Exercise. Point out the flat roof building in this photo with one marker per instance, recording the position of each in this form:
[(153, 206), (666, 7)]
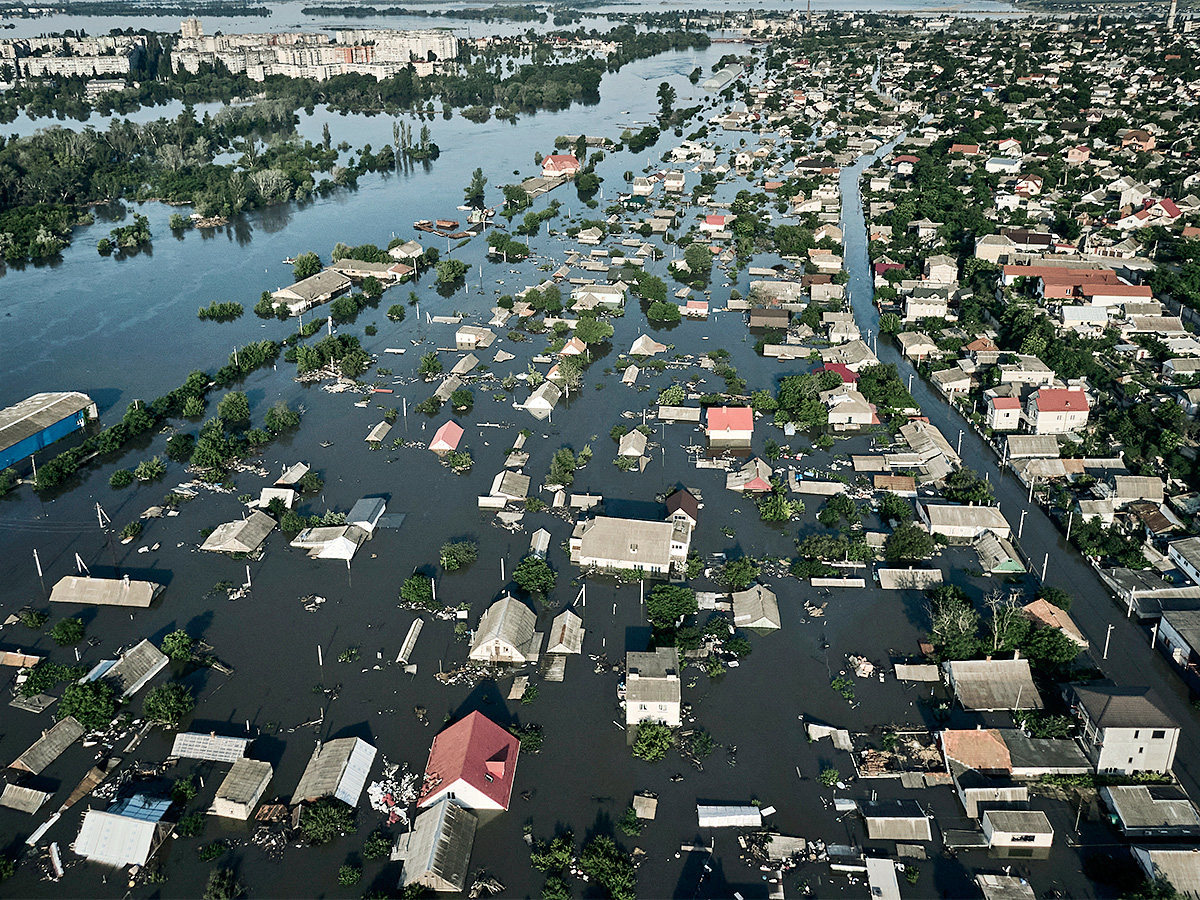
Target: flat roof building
[(241, 790)]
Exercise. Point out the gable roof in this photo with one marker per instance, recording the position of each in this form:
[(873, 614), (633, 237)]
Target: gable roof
[(437, 852), (240, 536), (475, 750), (985, 684), (684, 501), (981, 749), (337, 768), (447, 437), (730, 418), (512, 622)]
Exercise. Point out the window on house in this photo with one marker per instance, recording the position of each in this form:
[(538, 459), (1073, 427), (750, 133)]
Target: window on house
[(1157, 735), (487, 776), (643, 706), (1023, 838)]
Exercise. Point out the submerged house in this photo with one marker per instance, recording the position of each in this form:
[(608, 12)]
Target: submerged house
[(756, 608), (436, 853), (127, 834), (472, 763), (652, 687), (507, 634), (241, 790), (241, 535), (130, 673)]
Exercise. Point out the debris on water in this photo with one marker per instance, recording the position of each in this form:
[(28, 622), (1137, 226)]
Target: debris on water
[(394, 793), (468, 675), (312, 602), (271, 840), (814, 610), (484, 884), (863, 667), (422, 714)]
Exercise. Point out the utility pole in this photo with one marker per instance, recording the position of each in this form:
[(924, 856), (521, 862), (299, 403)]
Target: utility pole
[(1021, 527), (958, 449), (1107, 638)]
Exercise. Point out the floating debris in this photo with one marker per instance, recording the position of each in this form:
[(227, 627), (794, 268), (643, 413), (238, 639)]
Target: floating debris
[(312, 602), (394, 793)]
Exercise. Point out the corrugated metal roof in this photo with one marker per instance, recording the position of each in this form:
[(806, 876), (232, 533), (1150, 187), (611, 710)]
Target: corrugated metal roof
[(135, 667), (241, 536), (337, 768), (243, 785), (215, 747), (438, 850), (985, 684), (36, 413), (23, 799), (728, 816)]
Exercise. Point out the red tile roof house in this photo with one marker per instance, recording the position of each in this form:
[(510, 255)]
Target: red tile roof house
[(713, 223), (559, 164), (848, 377), (730, 426), (473, 763), (1056, 410)]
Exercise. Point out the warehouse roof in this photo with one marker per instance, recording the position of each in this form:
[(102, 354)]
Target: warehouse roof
[(104, 591), (985, 684), (36, 413)]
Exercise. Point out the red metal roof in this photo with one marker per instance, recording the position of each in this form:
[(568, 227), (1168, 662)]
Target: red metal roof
[(560, 161), (1005, 403), (1061, 400), (848, 376), (714, 220), (447, 437), (471, 750), (730, 418)]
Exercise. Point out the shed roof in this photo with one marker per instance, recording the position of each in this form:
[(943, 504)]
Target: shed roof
[(127, 834), (50, 746), (1032, 446), (37, 413), (1152, 806), (23, 799), (1004, 887), (1018, 821), (566, 633), (104, 591), (981, 749), (245, 782), (896, 820), (1178, 865), (337, 768)]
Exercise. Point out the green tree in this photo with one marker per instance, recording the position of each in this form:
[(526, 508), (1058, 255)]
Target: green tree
[(965, 486), (535, 576), (348, 876), (908, 543), (739, 573), (606, 865), (222, 885), (431, 365), (591, 330), (473, 194), (889, 323), (281, 418), (307, 265), (653, 740), (169, 704), (149, 469), (674, 395), (668, 603), (326, 819), (67, 632), (396, 312), (178, 645), (458, 555), (663, 312), (93, 704), (234, 407), (418, 590), (893, 507), (450, 270)]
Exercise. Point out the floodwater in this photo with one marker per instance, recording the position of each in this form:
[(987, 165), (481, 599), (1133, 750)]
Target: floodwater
[(84, 323), (287, 16)]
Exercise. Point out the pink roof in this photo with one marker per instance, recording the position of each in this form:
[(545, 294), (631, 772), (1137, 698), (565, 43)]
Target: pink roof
[(714, 220), (906, 158), (881, 268), (471, 750), (573, 347), (447, 437), (1005, 403), (697, 304), (758, 484), (730, 418), (1061, 400)]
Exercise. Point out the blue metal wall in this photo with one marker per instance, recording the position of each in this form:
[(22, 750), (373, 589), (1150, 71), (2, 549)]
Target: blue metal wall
[(26, 448)]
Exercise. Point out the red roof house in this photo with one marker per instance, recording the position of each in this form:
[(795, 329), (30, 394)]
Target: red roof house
[(473, 763), (713, 223), (848, 376), (559, 164), (730, 425), (446, 438)]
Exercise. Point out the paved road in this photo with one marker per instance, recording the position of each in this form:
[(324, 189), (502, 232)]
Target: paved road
[(1131, 661)]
